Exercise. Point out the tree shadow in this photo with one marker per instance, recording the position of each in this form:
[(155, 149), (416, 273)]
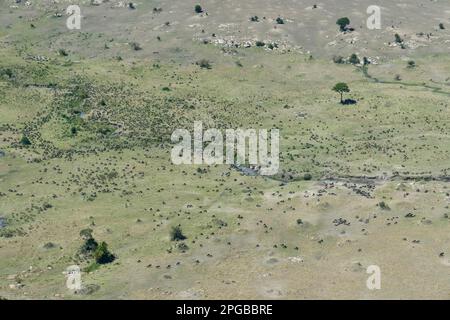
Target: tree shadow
[(349, 102)]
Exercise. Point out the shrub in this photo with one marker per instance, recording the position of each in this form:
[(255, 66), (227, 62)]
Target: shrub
[(260, 44), (182, 246), (89, 246), (49, 245), (280, 20), (62, 52), (411, 64), (198, 9), (338, 59), (102, 254), (354, 59), (343, 23), (254, 19), (136, 46), (176, 234), (204, 64), (6, 72), (383, 206), (86, 233), (398, 39), (92, 267), (441, 26), (307, 176), (25, 141)]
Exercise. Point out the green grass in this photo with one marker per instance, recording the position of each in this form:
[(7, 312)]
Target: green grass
[(119, 181)]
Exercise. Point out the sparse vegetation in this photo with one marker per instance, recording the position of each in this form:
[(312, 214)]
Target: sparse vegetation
[(98, 156)]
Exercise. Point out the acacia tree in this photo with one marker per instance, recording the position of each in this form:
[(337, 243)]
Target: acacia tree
[(341, 87)]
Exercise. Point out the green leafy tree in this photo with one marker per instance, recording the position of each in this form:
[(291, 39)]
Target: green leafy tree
[(340, 88), (343, 23)]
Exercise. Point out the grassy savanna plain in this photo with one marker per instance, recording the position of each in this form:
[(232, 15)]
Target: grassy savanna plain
[(359, 185)]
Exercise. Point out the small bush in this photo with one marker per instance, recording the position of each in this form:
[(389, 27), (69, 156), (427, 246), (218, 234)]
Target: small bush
[(343, 23), (102, 254), (307, 176), (6, 72), (89, 247), (354, 59), (398, 39), (411, 64), (136, 46), (198, 9), (441, 26), (254, 19), (260, 44), (25, 141), (383, 206), (182, 246), (280, 20), (86, 233), (204, 64), (176, 234), (62, 52), (338, 59), (92, 267), (49, 245)]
